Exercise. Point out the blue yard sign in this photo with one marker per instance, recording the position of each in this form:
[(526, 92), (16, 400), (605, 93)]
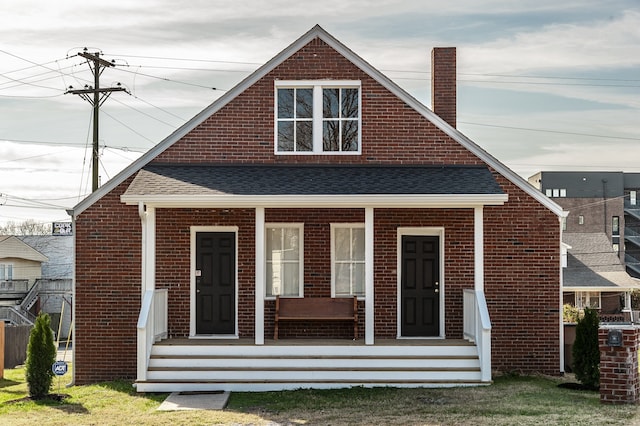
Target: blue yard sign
[(59, 368)]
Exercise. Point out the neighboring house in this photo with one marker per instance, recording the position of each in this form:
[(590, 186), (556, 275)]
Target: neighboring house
[(53, 292), (317, 176), (595, 277), (20, 267), (36, 274), (19, 261), (604, 202)]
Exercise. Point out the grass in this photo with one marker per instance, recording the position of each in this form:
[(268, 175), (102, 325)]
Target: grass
[(511, 400)]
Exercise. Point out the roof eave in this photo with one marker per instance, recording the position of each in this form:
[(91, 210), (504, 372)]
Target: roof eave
[(303, 201)]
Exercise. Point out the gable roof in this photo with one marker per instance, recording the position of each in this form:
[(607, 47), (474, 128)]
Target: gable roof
[(593, 265), (13, 247), (317, 32)]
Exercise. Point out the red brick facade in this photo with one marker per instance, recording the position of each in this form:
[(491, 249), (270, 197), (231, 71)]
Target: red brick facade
[(522, 246)]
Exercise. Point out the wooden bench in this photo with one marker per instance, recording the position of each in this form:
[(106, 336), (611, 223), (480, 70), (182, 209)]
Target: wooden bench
[(317, 309)]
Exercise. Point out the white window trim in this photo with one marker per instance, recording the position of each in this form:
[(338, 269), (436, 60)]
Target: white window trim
[(317, 86), (334, 226), (8, 266), (300, 227), (579, 296)]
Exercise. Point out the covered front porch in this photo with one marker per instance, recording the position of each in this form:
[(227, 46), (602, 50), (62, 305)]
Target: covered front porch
[(387, 205)]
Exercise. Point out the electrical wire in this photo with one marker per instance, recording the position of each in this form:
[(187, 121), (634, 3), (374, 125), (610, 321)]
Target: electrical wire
[(128, 127), (144, 113), (170, 80), (549, 131)]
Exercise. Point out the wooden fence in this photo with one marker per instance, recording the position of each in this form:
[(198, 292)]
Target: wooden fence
[(16, 339)]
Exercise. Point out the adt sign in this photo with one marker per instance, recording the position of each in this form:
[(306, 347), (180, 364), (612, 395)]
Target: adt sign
[(59, 368)]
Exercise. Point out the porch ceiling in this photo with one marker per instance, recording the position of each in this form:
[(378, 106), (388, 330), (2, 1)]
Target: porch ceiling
[(277, 185)]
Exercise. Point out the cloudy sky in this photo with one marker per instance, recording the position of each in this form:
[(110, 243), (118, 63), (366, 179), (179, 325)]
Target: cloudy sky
[(542, 85)]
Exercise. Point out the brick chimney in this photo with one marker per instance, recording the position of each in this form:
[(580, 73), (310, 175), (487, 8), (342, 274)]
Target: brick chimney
[(443, 83)]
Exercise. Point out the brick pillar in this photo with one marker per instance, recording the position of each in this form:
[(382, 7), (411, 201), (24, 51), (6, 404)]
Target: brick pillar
[(619, 381)]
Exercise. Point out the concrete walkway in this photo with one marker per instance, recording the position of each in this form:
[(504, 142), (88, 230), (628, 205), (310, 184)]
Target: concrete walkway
[(195, 401)]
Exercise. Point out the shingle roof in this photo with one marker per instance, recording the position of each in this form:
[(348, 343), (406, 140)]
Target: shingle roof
[(311, 180), (591, 262)]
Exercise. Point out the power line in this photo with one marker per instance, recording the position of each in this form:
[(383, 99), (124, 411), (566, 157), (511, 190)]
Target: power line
[(172, 81), (550, 131), (146, 114), (186, 59), (72, 144), (129, 127)]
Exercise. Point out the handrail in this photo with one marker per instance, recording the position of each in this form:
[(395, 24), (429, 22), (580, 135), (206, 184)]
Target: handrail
[(477, 328), (152, 326), (31, 296), (11, 314)]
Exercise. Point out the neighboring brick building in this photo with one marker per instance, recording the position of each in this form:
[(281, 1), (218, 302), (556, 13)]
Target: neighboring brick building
[(317, 176), (599, 202), (603, 230)]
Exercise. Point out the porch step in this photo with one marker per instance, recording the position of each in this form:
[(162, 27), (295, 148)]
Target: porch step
[(261, 368)]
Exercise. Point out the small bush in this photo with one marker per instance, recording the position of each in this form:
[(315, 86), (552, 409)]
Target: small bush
[(586, 352), (571, 313), (41, 354)]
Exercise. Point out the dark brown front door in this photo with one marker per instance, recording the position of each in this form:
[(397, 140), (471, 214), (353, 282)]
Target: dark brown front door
[(420, 287), (215, 282)]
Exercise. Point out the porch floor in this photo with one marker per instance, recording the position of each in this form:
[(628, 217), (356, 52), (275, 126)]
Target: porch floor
[(312, 342)]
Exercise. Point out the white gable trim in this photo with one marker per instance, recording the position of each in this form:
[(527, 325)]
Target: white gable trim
[(319, 32)]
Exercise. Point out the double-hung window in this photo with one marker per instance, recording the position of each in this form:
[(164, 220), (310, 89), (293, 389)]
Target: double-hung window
[(284, 250), (6, 272), (347, 260), (317, 117)]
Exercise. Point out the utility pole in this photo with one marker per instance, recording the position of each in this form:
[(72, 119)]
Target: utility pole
[(100, 95)]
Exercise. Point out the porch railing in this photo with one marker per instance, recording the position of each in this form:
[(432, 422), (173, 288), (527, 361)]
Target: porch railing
[(152, 326), (14, 286), (477, 328)]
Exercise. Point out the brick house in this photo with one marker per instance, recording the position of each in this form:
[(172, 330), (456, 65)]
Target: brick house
[(317, 177)]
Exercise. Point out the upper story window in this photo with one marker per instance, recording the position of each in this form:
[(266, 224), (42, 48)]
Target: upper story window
[(615, 225), (556, 192), (6, 271), (317, 117)]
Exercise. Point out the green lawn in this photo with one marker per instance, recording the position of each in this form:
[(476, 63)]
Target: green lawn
[(510, 400)]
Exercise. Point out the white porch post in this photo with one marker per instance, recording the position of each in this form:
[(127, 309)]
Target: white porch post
[(260, 277), (627, 305), (148, 218), (145, 332), (478, 248), (368, 262)]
